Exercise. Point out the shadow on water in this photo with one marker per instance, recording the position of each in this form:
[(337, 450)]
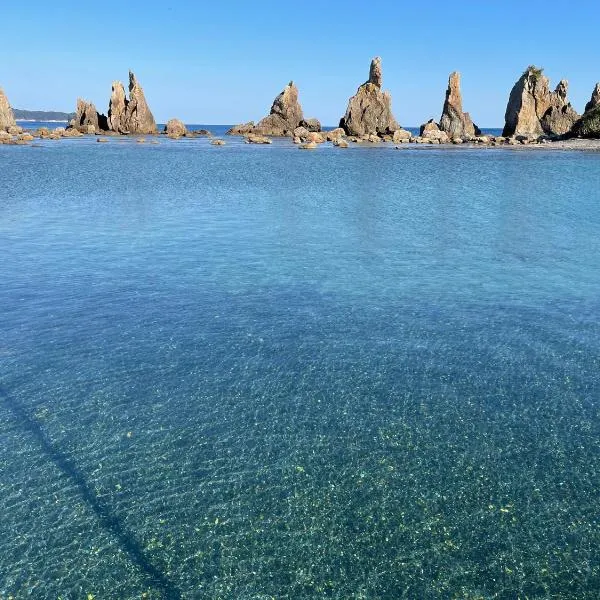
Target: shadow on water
[(106, 517)]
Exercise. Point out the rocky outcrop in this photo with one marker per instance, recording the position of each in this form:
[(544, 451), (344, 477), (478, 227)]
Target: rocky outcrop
[(87, 119), (117, 108), (594, 100), (130, 115), (138, 116), (7, 118), (175, 128), (369, 111), (588, 125), (454, 121), (431, 131), (533, 110), (241, 128), (285, 115), (311, 124), (560, 117), (527, 103)]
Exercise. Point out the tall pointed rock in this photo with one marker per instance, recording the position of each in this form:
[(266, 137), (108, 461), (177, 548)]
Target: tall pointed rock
[(454, 121), (595, 99), (138, 116), (117, 120), (285, 114), (7, 118), (370, 110), (528, 101)]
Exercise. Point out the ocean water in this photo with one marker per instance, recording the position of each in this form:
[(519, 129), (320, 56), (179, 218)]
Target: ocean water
[(254, 372)]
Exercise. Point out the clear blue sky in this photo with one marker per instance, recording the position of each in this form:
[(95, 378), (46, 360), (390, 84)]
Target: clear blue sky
[(224, 61)]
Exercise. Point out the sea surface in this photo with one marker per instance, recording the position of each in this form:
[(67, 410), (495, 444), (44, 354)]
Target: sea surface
[(253, 372)]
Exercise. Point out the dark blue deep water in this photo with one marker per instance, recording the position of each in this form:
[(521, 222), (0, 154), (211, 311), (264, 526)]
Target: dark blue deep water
[(254, 372)]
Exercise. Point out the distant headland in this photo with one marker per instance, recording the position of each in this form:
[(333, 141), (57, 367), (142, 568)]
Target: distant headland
[(534, 114)]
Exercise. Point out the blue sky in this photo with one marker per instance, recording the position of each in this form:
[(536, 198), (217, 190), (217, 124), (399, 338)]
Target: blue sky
[(225, 61)]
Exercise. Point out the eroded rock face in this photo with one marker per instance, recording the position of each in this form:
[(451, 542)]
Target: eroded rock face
[(595, 99), (369, 111), (454, 121), (130, 115), (533, 110), (285, 115), (88, 119), (117, 107), (7, 118), (138, 116), (560, 117)]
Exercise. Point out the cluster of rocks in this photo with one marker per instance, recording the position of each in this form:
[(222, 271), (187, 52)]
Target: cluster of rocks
[(125, 115), (534, 114)]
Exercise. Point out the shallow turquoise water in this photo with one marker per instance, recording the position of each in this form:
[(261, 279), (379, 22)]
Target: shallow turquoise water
[(252, 372)]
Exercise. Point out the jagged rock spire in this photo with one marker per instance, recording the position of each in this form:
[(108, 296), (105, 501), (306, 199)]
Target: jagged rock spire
[(454, 121), (369, 111)]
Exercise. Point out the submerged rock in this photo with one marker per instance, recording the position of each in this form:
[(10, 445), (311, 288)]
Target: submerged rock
[(7, 118), (454, 121), (369, 111)]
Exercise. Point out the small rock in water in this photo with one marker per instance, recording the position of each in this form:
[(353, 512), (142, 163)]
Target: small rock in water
[(217, 143), (308, 146)]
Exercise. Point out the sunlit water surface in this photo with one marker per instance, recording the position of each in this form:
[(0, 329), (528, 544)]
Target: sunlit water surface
[(254, 372)]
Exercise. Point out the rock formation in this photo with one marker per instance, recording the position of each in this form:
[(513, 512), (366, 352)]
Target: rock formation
[(241, 128), (7, 118), (87, 117), (595, 99), (560, 117), (589, 124), (369, 111), (175, 128), (454, 121), (117, 108), (133, 115), (533, 110), (285, 115), (138, 116), (431, 131)]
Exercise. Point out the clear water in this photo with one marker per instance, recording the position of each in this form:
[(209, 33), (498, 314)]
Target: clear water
[(255, 372)]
